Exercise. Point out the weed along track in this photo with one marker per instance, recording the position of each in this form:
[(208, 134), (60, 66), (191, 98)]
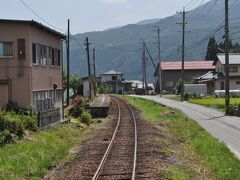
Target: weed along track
[(119, 160)]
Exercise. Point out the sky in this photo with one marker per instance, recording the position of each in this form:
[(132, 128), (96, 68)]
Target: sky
[(92, 15)]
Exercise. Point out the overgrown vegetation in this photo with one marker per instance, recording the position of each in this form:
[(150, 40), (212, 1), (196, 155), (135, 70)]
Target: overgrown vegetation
[(198, 146), (33, 156), (13, 125), (39, 151), (77, 110)]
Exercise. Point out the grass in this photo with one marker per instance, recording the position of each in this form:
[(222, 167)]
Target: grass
[(218, 103), (198, 145), (32, 157)]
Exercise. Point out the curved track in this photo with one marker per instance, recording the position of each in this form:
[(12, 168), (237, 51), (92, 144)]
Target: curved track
[(119, 160)]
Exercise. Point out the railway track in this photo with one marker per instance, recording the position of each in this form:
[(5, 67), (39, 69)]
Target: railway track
[(119, 160)]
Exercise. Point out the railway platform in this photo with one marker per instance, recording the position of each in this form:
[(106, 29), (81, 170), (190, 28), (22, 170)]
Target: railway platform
[(100, 105)]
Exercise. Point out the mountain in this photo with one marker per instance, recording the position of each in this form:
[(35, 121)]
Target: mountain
[(149, 21), (119, 48)]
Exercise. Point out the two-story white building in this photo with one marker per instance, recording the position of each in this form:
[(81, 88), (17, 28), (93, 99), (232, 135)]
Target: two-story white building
[(116, 81), (215, 80), (234, 71)]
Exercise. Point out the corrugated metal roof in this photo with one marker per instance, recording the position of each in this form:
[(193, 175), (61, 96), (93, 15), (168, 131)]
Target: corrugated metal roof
[(112, 72), (234, 58), (188, 65)]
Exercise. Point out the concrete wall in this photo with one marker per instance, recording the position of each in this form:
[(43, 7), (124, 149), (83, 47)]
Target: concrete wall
[(9, 67), (3, 94)]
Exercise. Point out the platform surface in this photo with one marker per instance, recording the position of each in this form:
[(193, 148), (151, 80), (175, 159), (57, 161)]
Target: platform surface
[(102, 100)]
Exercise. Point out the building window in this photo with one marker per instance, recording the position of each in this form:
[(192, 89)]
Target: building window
[(44, 100), (233, 69), (39, 54), (6, 49), (114, 78), (54, 57), (34, 54)]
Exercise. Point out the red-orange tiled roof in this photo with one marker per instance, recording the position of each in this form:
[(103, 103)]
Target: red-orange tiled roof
[(189, 65)]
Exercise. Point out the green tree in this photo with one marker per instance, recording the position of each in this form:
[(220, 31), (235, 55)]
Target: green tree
[(212, 49), (74, 81)]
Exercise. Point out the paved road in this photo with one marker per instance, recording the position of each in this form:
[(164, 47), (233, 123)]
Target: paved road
[(224, 128)]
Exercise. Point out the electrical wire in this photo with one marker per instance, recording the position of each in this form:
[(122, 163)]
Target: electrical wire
[(49, 24)]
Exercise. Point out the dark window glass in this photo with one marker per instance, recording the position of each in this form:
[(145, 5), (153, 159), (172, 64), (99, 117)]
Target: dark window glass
[(34, 58)]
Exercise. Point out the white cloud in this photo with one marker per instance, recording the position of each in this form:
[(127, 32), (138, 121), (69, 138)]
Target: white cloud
[(114, 1)]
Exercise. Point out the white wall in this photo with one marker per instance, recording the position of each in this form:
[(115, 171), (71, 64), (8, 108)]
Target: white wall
[(106, 77)]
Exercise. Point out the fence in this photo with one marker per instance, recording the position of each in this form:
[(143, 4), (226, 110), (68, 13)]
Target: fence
[(49, 117)]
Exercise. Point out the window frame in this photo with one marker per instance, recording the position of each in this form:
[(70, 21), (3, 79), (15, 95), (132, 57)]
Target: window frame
[(13, 50)]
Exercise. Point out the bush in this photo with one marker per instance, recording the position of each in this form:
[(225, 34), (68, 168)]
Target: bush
[(5, 137), (77, 105), (232, 108), (14, 124), (186, 97), (29, 123), (86, 118)]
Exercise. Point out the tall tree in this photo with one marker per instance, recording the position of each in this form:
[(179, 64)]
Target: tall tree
[(212, 49)]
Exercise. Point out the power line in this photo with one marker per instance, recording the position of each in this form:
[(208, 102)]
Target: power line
[(29, 8)]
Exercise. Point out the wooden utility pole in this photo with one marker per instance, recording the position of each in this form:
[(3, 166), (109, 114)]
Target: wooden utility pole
[(226, 59), (183, 13), (89, 67), (183, 54), (94, 62), (68, 61), (159, 61), (144, 74)]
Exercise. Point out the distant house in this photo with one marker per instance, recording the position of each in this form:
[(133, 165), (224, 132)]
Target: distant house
[(171, 72), (209, 79), (116, 81), (30, 65), (217, 77)]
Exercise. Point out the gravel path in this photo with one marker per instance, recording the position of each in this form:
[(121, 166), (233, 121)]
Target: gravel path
[(224, 128)]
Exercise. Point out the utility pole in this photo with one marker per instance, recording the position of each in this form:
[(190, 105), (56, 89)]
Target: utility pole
[(89, 67), (226, 59), (116, 82), (94, 62), (183, 13), (94, 70), (144, 81), (68, 60), (159, 60)]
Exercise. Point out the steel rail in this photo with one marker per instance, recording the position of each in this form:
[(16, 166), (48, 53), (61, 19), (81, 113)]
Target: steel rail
[(97, 173)]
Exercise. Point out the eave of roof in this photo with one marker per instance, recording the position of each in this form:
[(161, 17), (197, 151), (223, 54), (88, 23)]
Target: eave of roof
[(32, 22)]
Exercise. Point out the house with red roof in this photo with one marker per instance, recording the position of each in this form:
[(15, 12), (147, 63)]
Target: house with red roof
[(171, 72)]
